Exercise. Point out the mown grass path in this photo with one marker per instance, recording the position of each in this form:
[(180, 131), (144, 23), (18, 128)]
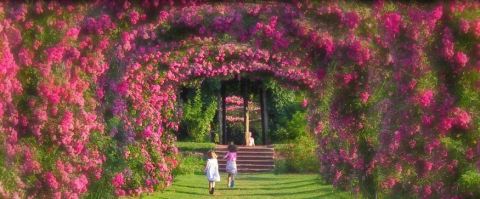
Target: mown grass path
[(252, 186)]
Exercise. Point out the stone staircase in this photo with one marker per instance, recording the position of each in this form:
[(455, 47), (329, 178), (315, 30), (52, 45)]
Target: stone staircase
[(249, 159)]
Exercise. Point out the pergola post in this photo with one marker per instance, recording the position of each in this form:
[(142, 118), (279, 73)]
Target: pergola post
[(264, 114), (246, 118), (220, 118), (223, 114)]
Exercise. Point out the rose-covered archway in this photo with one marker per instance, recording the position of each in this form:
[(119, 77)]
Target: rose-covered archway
[(88, 89)]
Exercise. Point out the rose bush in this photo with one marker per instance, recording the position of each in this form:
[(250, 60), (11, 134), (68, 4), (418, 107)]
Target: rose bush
[(88, 90)]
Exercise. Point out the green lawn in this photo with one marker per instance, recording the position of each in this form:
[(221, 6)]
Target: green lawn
[(195, 146), (252, 186)]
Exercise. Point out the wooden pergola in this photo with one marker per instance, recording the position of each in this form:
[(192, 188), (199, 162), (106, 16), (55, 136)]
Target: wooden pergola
[(247, 86)]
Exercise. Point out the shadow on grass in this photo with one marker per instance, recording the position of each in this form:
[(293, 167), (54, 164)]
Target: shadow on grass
[(260, 187), (257, 178), (312, 191), (286, 194), (190, 192), (321, 196)]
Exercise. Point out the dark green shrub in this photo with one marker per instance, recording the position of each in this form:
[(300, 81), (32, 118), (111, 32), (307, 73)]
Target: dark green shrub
[(189, 164), (470, 182)]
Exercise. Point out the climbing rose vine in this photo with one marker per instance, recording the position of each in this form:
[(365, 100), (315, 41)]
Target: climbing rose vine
[(88, 90)]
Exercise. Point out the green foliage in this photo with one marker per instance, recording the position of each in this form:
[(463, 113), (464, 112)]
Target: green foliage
[(294, 128), (299, 157), (470, 182), (198, 115), (103, 188)]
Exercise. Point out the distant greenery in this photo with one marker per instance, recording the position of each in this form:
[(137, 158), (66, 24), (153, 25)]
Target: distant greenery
[(198, 114), (287, 116)]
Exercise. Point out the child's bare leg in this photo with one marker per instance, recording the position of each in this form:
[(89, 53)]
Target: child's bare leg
[(229, 179)]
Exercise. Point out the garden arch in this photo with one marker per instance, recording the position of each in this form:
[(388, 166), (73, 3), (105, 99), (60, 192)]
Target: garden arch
[(90, 97)]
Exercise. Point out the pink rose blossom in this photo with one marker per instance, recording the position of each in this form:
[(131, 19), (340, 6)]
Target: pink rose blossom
[(476, 28), (464, 26), (462, 118), (392, 23), (461, 59), (351, 20), (118, 180), (51, 180), (425, 98), (364, 97)]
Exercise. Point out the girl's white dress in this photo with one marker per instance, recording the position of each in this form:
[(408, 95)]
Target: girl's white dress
[(231, 167), (211, 170)]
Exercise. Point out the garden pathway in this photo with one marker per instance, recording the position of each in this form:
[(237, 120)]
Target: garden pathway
[(264, 185)]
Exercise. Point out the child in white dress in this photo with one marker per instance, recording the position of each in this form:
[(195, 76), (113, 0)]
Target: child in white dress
[(211, 171)]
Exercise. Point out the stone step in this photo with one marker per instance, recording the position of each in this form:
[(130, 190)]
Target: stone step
[(254, 150), (249, 154), (250, 166), (246, 149), (250, 157), (249, 170), (258, 162)]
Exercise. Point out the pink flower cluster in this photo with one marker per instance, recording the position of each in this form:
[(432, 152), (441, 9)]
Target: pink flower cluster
[(351, 20), (425, 98), (392, 23)]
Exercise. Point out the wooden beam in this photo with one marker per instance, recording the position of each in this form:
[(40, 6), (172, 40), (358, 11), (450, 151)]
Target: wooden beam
[(246, 118), (220, 117), (224, 114), (264, 113)]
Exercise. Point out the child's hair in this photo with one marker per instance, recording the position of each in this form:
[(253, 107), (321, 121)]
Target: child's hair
[(232, 147), (211, 154)]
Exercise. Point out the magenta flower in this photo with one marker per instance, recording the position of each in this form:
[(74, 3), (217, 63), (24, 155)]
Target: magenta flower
[(476, 28), (446, 124), (51, 180), (134, 17), (364, 97), (464, 26), (461, 59), (351, 20), (425, 98), (73, 33), (118, 180), (55, 54), (79, 185), (392, 23), (147, 132), (462, 118)]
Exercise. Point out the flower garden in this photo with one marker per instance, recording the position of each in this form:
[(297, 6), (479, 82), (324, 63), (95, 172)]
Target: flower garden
[(88, 90)]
